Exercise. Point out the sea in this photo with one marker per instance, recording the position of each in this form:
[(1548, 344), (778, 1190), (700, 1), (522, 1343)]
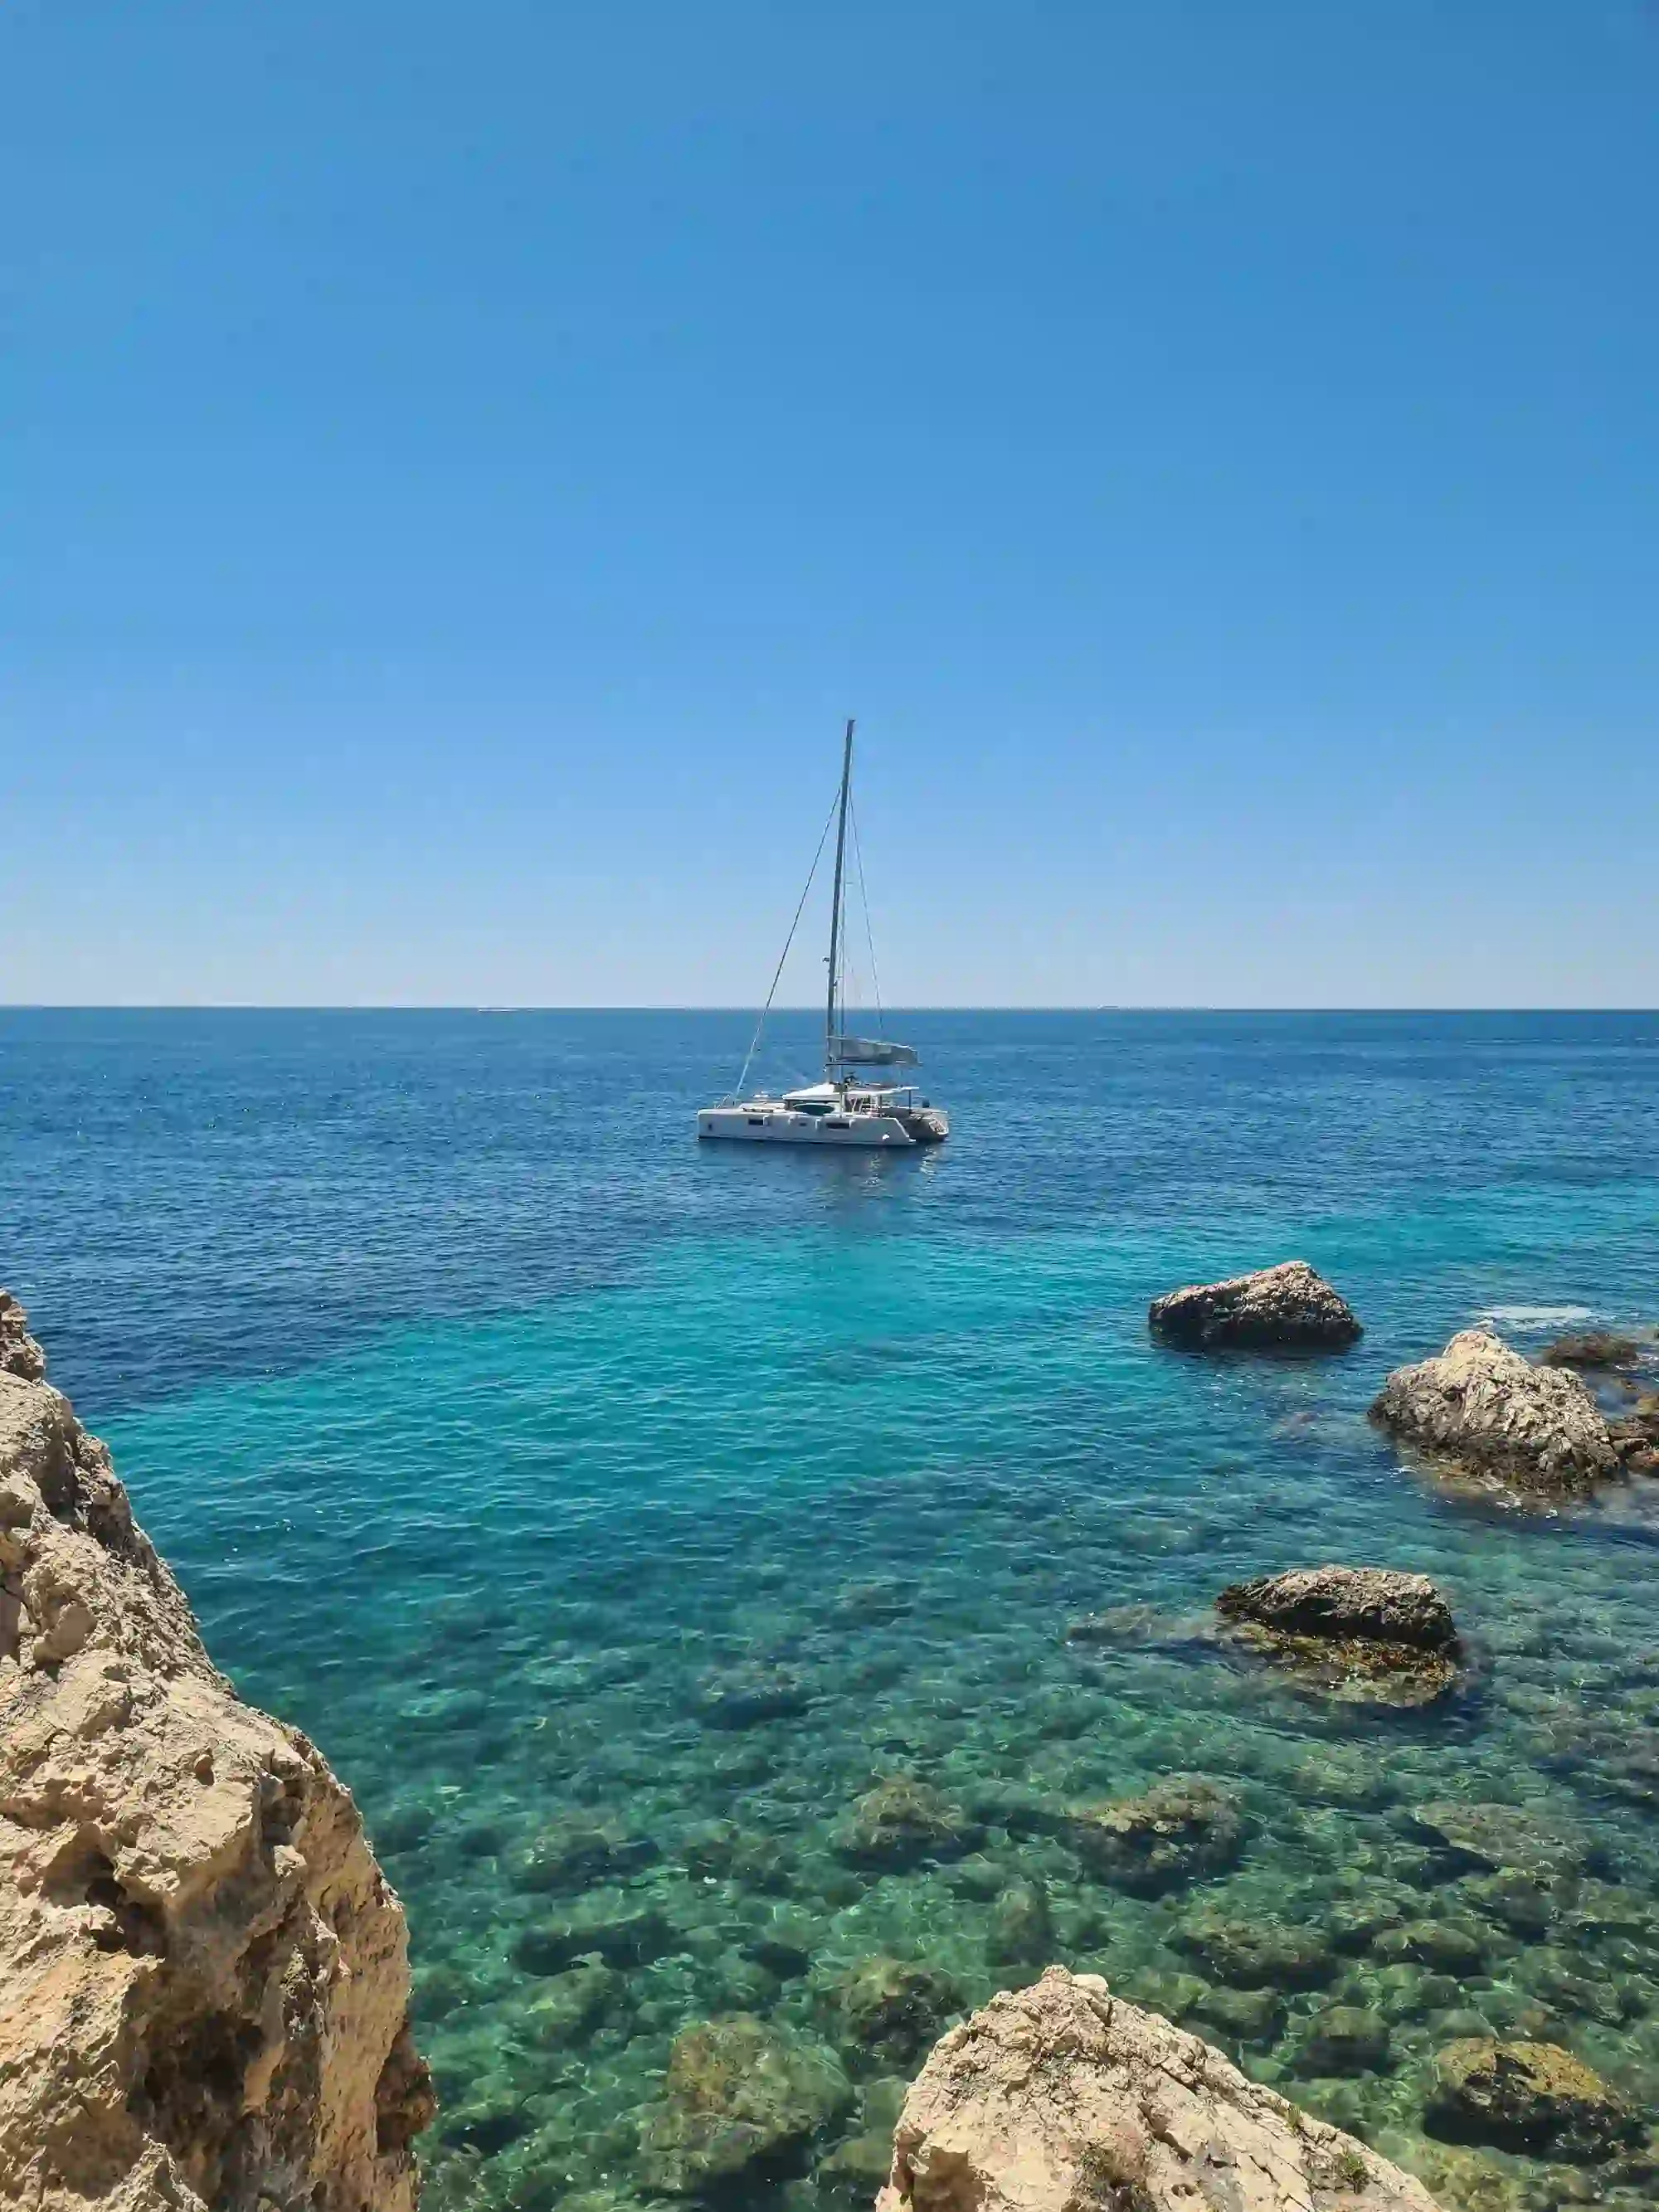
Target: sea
[(675, 1547)]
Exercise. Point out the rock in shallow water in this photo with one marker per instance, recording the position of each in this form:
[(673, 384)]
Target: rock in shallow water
[(1368, 1634), (894, 2006), (1527, 2096), (1022, 1930), (1179, 1830), (1254, 1954), (1597, 1349), (1344, 2039), (1495, 1837), (1286, 1307), (1483, 1407), (744, 1696), (1062, 2096), (744, 2098), (619, 1925), (902, 1822)]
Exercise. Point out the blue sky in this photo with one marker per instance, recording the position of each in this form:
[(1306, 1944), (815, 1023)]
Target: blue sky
[(464, 463)]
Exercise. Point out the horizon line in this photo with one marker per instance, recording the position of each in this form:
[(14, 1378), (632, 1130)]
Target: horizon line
[(739, 1006)]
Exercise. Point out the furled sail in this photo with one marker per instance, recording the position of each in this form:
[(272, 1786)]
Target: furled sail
[(873, 1051)]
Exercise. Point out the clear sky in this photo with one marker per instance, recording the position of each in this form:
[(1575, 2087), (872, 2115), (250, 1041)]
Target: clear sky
[(462, 462)]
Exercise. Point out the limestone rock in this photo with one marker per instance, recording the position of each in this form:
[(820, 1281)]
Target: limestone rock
[(1061, 2096), (1527, 2096), (1490, 1412), (204, 1974), (20, 1355), (744, 2097), (1286, 1307), (1365, 1633), (1182, 1828)]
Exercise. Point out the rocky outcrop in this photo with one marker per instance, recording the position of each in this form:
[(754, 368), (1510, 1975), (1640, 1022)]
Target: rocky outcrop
[(20, 1355), (1287, 1308), (1364, 1633), (204, 1977), (1490, 1413), (1062, 2096)]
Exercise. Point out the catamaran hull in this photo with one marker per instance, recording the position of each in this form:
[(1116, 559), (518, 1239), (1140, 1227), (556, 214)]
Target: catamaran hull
[(863, 1132)]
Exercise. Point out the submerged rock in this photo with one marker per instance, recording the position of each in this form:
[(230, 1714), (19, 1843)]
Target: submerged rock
[(1345, 2038), (1256, 1955), (894, 2006), (1597, 1348), (902, 1822), (1288, 1307), (567, 2008), (744, 2098), (620, 1925), (1241, 2015), (1022, 1929), (1494, 1838), (1483, 1407), (1179, 1830), (203, 1973), (1527, 2096), (1367, 1634), (1449, 1947), (743, 1696), (1061, 2096), (578, 1848)]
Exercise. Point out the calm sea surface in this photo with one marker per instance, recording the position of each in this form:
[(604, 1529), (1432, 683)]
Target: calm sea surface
[(618, 1513)]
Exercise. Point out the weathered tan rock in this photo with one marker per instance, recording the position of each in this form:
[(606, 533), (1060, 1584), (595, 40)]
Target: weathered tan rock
[(1286, 1307), (20, 1355), (1062, 2095), (1484, 1407), (204, 1977)]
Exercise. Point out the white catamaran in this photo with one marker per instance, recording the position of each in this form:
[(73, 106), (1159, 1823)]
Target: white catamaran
[(845, 1108)]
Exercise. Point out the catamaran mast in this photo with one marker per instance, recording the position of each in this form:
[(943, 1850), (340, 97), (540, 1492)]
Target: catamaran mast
[(829, 1031)]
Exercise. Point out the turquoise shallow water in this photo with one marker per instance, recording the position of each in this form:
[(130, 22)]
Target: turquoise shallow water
[(618, 1514)]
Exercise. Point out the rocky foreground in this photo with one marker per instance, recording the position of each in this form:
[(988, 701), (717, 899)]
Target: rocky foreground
[(204, 1974), (1062, 2096)]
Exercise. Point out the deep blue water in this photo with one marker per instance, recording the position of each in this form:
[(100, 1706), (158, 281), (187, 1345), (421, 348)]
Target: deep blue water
[(495, 1427)]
